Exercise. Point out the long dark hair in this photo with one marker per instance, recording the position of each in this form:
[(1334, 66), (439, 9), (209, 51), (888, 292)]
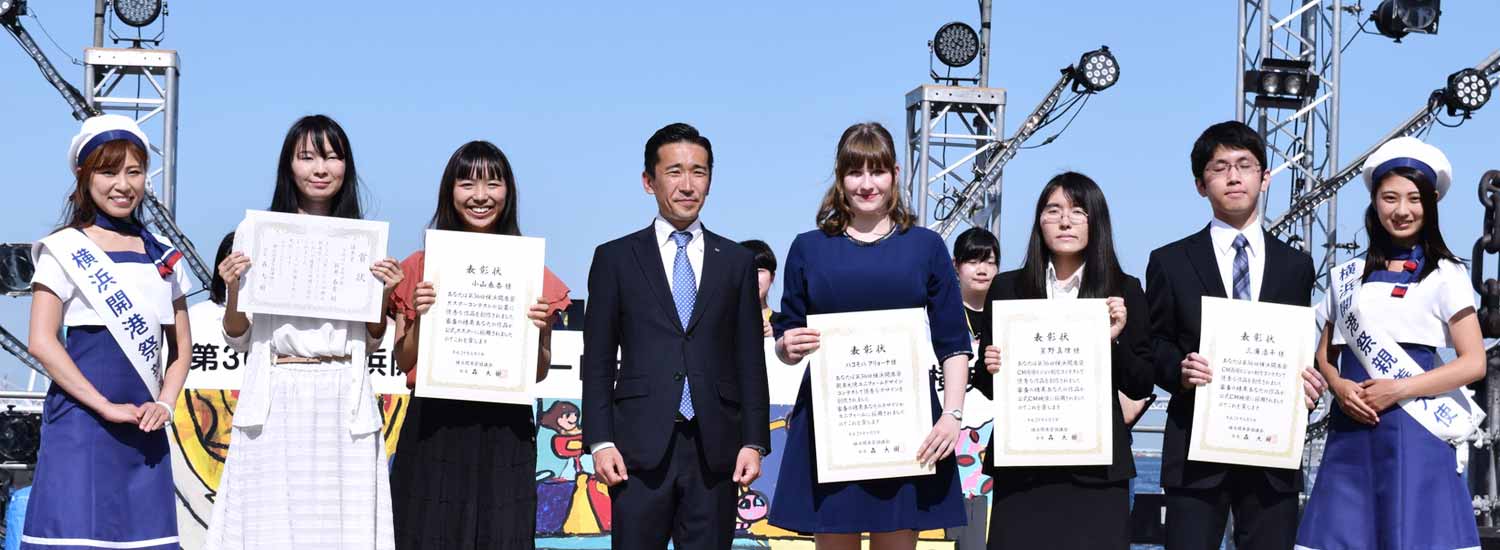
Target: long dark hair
[(1434, 249), (480, 160), (327, 137), (1102, 276), (81, 210)]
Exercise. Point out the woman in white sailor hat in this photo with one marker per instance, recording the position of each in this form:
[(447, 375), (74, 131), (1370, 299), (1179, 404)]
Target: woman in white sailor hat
[(1391, 476), (104, 476)]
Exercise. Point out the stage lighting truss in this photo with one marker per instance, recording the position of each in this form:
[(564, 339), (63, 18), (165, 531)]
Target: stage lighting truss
[(1281, 83), (1397, 18), (137, 13), (1466, 92), (1096, 71), (16, 269), (956, 44)]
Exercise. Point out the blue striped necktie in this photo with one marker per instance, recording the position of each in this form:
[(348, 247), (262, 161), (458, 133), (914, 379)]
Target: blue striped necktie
[(1241, 268), (684, 292)]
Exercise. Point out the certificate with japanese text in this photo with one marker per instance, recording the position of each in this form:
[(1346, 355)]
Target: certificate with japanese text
[(871, 395), (311, 266), (1252, 413), (1054, 389), (476, 342)]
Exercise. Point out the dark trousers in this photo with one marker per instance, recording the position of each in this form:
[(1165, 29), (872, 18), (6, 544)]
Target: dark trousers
[(1264, 519), (1059, 513), (681, 500)]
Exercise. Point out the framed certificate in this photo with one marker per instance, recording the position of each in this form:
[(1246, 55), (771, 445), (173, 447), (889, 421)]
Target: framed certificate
[(1252, 413), (872, 404), (1055, 390), (476, 342), (311, 266)]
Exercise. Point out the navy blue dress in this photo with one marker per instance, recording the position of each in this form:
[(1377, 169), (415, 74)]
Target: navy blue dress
[(836, 274), (1394, 485), (100, 484)]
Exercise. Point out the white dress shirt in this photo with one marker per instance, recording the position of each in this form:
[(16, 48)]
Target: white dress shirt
[(668, 248), (1067, 288), (1223, 236)]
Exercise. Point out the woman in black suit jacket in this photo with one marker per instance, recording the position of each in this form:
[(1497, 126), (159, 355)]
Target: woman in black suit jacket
[(1071, 255)]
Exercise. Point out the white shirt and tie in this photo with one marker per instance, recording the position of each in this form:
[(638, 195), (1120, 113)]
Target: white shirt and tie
[(668, 249), (1223, 236)]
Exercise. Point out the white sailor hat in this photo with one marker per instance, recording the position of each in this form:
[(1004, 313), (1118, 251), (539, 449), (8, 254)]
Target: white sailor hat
[(1409, 152), (100, 130)]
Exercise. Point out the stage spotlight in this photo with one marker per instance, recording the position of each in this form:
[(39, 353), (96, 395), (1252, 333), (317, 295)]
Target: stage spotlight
[(1466, 92), (1097, 70), (20, 435), (10, 9), (956, 44), (137, 13), (1281, 83), (15, 269), (1397, 18)]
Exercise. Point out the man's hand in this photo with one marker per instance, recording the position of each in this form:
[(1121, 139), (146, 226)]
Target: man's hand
[(746, 467), (1195, 371), (611, 466)]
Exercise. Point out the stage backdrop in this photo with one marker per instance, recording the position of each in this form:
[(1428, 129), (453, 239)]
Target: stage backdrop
[(573, 509)]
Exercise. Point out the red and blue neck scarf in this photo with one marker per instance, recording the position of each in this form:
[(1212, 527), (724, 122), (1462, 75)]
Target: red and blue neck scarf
[(165, 256), (1411, 269)]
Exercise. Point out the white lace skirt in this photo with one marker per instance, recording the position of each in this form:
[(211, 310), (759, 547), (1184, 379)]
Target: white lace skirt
[(303, 480)]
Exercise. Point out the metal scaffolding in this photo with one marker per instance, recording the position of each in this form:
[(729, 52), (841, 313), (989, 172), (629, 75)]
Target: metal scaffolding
[(951, 134), (1302, 142)]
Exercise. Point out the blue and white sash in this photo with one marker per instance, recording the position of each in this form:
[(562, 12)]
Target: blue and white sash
[(108, 290), (1453, 417)]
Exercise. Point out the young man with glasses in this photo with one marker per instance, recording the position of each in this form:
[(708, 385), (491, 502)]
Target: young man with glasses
[(1230, 258)]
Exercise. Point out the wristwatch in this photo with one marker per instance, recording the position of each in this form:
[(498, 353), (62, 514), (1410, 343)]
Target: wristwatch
[(957, 414)]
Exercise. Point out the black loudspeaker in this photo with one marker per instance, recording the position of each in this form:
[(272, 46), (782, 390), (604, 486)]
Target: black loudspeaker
[(15, 268), (1148, 519), (20, 435)]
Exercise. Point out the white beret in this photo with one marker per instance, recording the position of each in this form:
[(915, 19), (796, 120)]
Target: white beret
[(1409, 152)]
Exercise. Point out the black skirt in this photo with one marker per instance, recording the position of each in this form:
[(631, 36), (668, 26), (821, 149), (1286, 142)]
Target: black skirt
[(464, 477), (1056, 512)]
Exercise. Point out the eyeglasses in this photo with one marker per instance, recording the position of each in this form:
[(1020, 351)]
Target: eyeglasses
[(1221, 168), (1076, 216)]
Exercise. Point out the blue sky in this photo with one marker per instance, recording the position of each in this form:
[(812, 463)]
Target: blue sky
[(571, 91)]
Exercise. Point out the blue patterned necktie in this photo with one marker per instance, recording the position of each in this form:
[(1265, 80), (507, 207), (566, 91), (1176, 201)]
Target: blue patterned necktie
[(1241, 268), (684, 292)]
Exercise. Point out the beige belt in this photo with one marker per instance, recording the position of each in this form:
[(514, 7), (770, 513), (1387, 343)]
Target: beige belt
[(294, 360)]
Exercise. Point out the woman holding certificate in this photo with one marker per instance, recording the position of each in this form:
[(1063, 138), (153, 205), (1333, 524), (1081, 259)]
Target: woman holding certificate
[(866, 255), (465, 475), (307, 463), (104, 475), (1388, 478), (1071, 255)]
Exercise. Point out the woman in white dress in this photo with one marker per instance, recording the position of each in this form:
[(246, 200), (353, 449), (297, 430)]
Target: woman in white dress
[(307, 466)]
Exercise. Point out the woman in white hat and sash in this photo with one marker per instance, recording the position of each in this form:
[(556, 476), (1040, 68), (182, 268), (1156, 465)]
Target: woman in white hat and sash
[(104, 475), (1392, 472)]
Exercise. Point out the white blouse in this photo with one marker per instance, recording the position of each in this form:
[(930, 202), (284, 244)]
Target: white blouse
[(144, 279), (1421, 317), (272, 335)]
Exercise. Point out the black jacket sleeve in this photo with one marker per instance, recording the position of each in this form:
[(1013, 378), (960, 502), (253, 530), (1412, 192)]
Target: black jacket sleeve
[(601, 345), (1132, 351)]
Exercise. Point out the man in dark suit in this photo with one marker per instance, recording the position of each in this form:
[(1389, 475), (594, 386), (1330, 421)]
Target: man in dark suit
[(686, 415), (1231, 258)]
